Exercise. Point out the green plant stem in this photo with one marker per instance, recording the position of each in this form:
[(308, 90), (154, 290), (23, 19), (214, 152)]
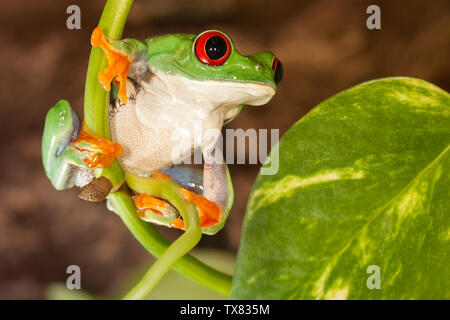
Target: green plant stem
[(96, 99), (177, 249), (155, 243), (170, 191), (96, 105)]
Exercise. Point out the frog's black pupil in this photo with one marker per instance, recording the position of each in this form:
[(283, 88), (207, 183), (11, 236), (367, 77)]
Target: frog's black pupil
[(216, 47), (278, 72)]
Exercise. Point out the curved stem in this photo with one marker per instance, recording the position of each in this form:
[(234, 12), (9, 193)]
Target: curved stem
[(176, 250), (96, 105), (155, 243)]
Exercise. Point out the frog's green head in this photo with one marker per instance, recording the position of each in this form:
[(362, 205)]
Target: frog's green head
[(212, 57)]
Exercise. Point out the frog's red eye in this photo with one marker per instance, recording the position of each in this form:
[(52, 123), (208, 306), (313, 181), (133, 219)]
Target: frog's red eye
[(212, 48)]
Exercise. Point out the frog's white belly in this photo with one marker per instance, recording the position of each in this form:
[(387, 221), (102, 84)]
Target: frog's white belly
[(163, 139), (168, 116)]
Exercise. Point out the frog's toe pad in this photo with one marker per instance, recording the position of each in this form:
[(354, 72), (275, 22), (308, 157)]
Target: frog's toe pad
[(97, 37), (154, 209)]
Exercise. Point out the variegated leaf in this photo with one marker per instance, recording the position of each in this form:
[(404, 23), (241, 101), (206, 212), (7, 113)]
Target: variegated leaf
[(360, 201)]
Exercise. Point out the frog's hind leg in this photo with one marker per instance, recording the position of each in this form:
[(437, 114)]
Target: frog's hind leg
[(209, 202), (70, 151), (188, 176), (210, 214), (62, 162), (208, 188), (153, 209), (215, 201)]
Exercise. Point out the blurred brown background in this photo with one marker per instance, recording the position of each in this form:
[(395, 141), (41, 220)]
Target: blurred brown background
[(324, 45)]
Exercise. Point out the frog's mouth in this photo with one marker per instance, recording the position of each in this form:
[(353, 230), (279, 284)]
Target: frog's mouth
[(235, 93)]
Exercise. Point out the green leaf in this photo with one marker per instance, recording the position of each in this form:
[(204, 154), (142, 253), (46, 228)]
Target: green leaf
[(363, 180)]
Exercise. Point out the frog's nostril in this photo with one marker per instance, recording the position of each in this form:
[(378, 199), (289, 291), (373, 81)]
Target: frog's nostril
[(277, 67)]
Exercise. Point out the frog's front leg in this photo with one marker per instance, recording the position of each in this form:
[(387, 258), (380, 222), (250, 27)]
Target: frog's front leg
[(62, 163), (119, 63), (126, 58)]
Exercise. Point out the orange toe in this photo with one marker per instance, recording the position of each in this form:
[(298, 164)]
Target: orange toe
[(160, 175), (118, 64), (97, 152), (209, 212), (145, 202), (177, 224)]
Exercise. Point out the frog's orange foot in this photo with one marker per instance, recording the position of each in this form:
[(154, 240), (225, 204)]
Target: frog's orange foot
[(160, 176), (209, 213), (118, 64), (97, 152), (144, 202)]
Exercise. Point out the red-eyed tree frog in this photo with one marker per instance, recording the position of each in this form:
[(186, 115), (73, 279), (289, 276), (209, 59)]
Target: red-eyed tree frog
[(175, 92)]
